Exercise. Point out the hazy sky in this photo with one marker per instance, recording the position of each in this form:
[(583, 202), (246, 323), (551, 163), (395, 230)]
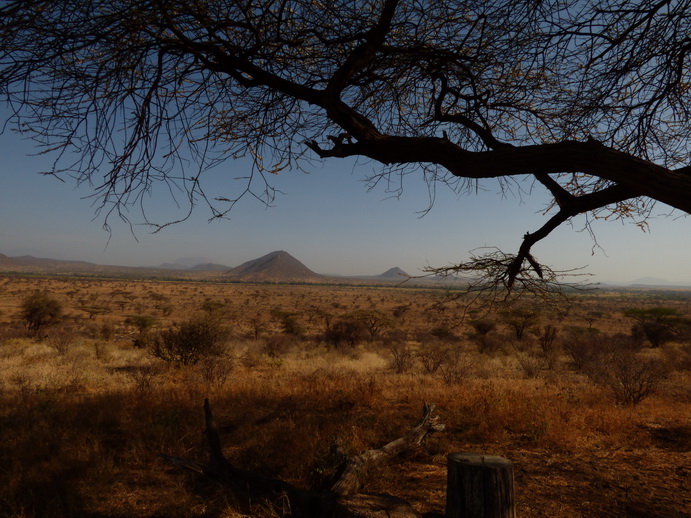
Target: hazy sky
[(327, 220)]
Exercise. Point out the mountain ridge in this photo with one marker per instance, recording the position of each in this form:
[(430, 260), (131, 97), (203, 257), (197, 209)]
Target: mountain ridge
[(277, 265)]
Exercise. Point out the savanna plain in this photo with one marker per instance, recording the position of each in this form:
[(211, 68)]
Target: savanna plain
[(590, 398)]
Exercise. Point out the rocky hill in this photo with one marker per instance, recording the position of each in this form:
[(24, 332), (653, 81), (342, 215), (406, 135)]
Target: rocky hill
[(394, 273), (277, 266)]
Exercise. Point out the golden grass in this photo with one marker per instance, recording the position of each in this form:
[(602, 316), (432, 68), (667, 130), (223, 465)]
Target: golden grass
[(81, 431)]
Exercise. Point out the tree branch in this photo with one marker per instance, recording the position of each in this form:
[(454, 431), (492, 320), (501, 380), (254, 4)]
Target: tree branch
[(351, 479), (343, 500), (570, 206)]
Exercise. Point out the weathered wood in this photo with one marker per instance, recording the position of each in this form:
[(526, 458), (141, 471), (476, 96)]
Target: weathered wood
[(350, 481), (479, 486), (344, 500)]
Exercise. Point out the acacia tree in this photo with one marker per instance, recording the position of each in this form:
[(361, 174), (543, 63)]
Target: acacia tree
[(588, 99)]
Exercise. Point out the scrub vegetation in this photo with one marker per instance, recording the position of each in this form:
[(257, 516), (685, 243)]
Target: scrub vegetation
[(592, 409)]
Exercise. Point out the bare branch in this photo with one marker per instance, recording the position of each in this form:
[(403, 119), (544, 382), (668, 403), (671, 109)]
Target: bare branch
[(591, 99)]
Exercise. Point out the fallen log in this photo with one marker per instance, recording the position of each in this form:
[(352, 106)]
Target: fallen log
[(343, 500)]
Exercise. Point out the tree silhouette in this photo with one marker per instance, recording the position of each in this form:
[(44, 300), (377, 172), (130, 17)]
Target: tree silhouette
[(588, 100)]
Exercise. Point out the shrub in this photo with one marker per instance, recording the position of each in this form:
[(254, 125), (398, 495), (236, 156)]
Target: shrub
[(444, 333), (457, 367), (547, 337), (142, 376), (583, 345), (658, 325), (532, 365), (345, 332), (215, 371), (143, 324), (521, 320), (627, 376), (615, 363), (432, 357), (291, 326), (62, 341), (373, 320), (276, 346), (402, 356), (483, 326), (39, 311), (189, 342)]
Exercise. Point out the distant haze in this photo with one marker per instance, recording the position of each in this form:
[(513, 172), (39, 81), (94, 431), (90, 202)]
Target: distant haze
[(329, 220)]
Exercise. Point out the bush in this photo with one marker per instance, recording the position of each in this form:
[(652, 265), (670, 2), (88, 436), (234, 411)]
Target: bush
[(189, 342), (432, 357), (532, 365), (627, 376), (346, 332), (457, 367), (143, 324), (402, 357), (658, 325), (587, 347), (39, 311), (444, 333), (615, 363), (483, 326), (276, 346), (215, 371), (62, 341)]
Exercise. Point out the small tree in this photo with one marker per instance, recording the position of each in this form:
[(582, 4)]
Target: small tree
[(345, 331), (483, 326), (402, 356), (143, 323), (189, 342), (658, 325), (521, 320), (374, 320), (627, 376), (288, 321), (39, 311)]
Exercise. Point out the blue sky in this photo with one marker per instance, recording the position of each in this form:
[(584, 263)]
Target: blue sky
[(328, 220)]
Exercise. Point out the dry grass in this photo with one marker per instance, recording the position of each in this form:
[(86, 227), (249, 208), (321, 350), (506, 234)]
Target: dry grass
[(81, 429)]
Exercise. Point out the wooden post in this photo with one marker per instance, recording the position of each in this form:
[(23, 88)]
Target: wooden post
[(479, 486)]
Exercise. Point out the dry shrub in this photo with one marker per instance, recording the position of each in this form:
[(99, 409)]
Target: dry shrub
[(433, 356), (402, 356), (531, 364), (630, 377), (100, 351), (457, 367), (40, 310), (346, 332), (490, 344), (584, 346), (276, 346), (679, 357), (62, 340), (215, 371), (189, 342), (143, 376), (615, 363)]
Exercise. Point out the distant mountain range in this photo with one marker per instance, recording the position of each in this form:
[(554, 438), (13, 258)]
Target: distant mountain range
[(278, 266)]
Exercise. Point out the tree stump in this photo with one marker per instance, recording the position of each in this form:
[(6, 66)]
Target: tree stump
[(479, 486)]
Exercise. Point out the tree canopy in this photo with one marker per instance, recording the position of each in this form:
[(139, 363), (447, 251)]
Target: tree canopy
[(590, 99)]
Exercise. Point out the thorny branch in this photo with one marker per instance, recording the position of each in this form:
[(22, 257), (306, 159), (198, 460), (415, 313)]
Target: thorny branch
[(591, 100)]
